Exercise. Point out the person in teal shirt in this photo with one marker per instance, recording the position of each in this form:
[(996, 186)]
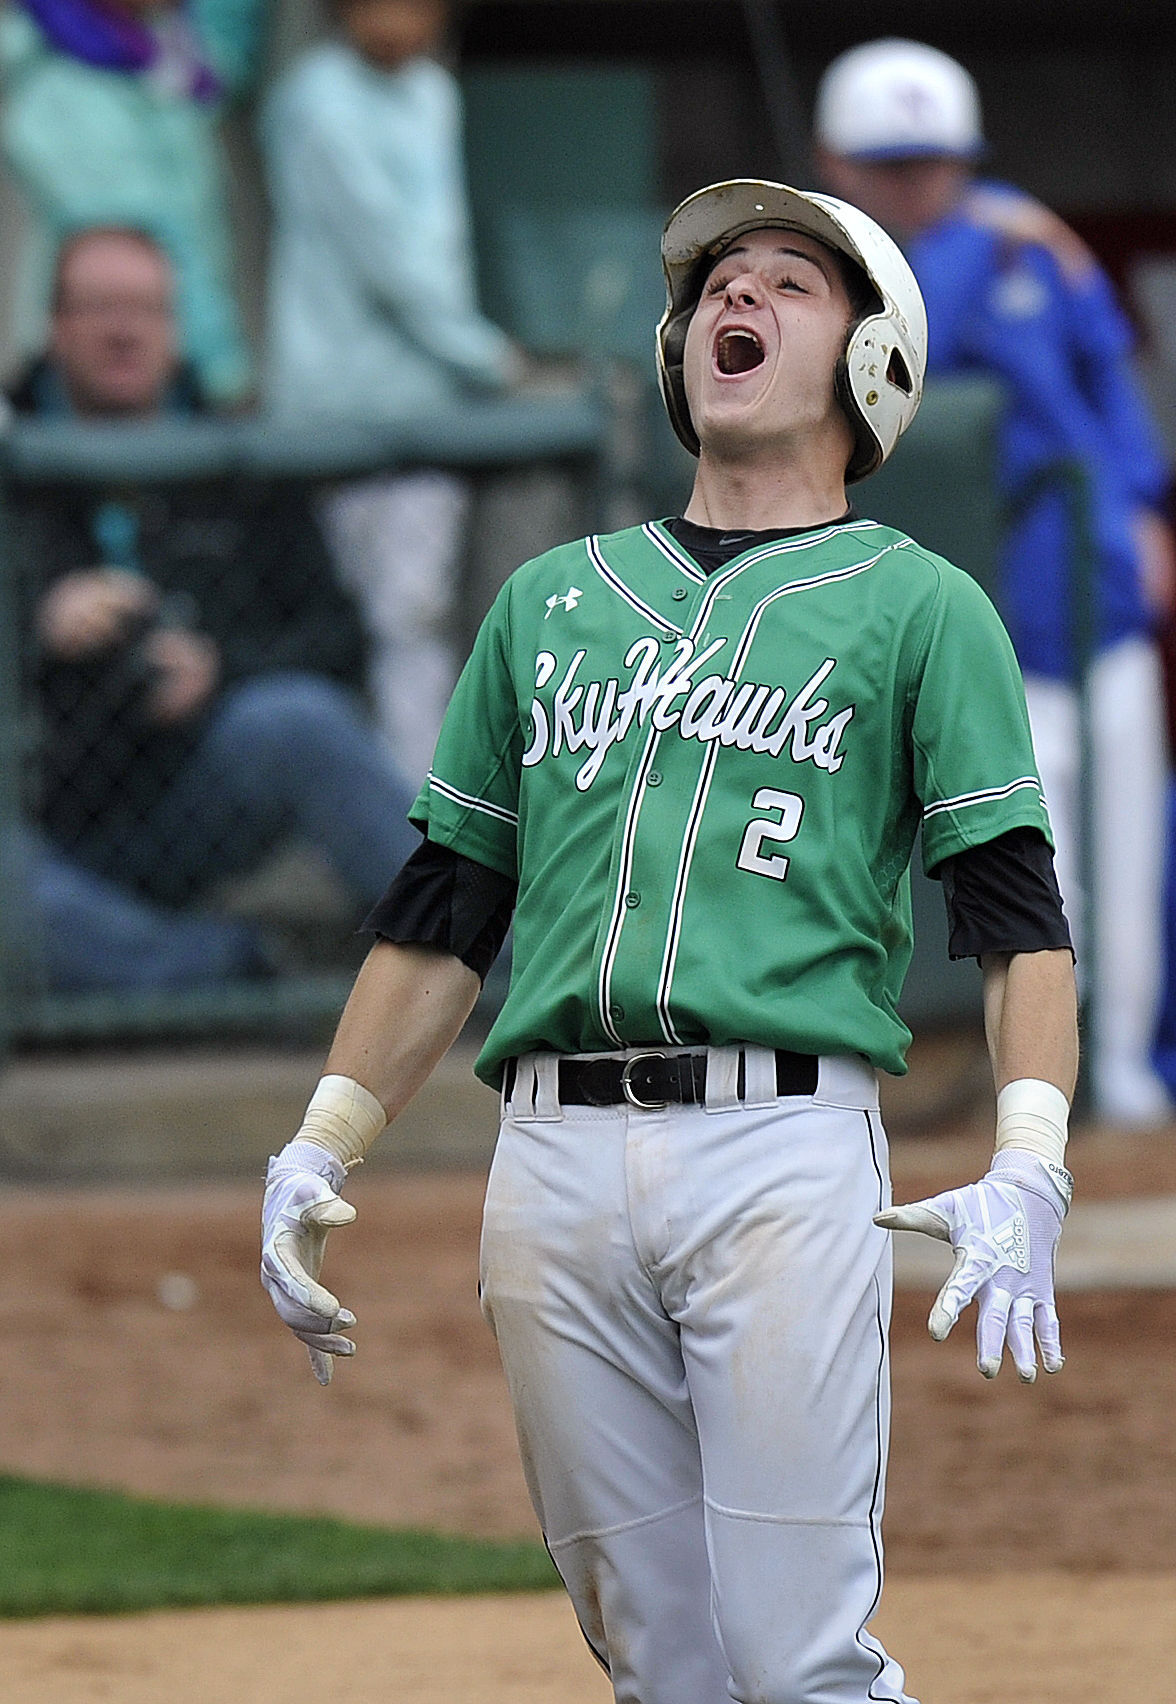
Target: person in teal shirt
[(373, 316), (110, 117), (372, 302)]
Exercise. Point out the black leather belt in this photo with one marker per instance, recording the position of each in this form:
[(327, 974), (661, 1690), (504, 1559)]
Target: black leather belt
[(654, 1079)]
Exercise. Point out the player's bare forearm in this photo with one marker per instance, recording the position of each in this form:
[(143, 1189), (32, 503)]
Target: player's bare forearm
[(1031, 1017), (406, 1009), (408, 1004)]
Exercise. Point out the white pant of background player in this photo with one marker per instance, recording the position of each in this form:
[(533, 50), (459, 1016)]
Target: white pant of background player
[(396, 540), (692, 1309), (1129, 818)]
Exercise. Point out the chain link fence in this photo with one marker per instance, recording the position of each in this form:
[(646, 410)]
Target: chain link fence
[(195, 808)]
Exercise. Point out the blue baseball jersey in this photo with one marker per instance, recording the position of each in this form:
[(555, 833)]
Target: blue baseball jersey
[(1061, 343)]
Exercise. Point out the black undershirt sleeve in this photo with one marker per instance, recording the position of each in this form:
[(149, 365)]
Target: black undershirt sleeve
[(1002, 897), (441, 898)]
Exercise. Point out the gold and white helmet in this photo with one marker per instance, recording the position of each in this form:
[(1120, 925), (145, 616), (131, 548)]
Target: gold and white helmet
[(879, 379)]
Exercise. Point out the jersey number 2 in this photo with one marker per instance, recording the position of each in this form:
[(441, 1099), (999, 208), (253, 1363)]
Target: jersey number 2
[(773, 829)]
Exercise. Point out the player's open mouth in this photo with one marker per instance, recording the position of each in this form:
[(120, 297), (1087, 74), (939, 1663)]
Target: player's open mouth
[(738, 351)]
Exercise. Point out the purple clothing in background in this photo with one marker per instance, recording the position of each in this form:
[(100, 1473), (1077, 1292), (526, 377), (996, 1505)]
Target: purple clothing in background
[(103, 36)]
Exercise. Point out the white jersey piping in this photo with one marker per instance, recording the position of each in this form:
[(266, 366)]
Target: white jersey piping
[(715, 582), (669, 547), (789, 546), (624, 871), (984, 796), (756, 615), (613, 580), (678, 903), (471, 802), (698, 804)]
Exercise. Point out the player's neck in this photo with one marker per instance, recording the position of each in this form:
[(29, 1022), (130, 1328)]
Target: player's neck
[(757, 498)]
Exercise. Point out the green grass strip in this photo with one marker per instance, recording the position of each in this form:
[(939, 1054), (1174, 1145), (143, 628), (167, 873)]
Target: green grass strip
[(68, 1551)]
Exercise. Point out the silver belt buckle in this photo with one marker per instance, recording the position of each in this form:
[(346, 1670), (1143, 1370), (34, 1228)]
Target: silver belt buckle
[(627, 1082)]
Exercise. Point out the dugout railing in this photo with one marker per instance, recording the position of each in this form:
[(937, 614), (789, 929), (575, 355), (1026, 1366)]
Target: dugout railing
[(569, 434)]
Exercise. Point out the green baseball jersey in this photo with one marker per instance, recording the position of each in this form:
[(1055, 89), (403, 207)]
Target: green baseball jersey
[(708, 786)]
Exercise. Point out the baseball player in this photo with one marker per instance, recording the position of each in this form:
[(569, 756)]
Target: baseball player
[(1012, 292), (690, 759)]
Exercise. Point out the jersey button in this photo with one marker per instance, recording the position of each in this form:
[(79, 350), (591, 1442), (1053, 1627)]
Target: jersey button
[(678, 593), (633, 900), (616, 1011), (653, 779)]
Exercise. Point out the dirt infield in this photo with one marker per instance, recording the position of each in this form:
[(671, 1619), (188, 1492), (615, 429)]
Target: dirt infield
[(141, 1353), (994, 1639)]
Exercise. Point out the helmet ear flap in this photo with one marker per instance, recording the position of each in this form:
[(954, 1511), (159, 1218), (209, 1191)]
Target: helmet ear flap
[(867, 452), (882, 387), (671, 353)]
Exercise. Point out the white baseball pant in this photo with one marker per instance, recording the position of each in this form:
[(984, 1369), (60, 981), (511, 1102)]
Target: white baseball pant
[(1129, 820), (397, 541), (692, 1309)]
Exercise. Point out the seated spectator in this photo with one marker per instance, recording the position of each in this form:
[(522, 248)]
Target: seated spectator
[(373, 315), (110, 115), (193, 654)]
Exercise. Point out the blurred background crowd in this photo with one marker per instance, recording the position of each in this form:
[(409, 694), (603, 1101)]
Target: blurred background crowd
[(289, 253)]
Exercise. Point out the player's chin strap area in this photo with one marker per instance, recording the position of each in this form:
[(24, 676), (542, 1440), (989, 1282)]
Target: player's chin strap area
[(1033, 1116)]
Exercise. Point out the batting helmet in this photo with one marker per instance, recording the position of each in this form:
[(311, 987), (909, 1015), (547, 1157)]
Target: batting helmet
[(879, 379)]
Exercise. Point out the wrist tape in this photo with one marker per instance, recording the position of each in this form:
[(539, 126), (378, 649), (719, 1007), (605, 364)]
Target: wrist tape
[(344, 1118), (1033, 1116)]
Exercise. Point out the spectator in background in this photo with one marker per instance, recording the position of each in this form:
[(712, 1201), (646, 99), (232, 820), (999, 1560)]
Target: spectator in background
[(78, 933), (1012, 291), (193, 652), (373, 317), (109, 116)]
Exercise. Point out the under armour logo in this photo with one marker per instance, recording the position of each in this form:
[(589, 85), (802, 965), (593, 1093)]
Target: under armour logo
[(568, 599)]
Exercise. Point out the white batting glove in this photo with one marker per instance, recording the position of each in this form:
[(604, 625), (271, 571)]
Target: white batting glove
[(1004, 1231), (300, 1206)]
